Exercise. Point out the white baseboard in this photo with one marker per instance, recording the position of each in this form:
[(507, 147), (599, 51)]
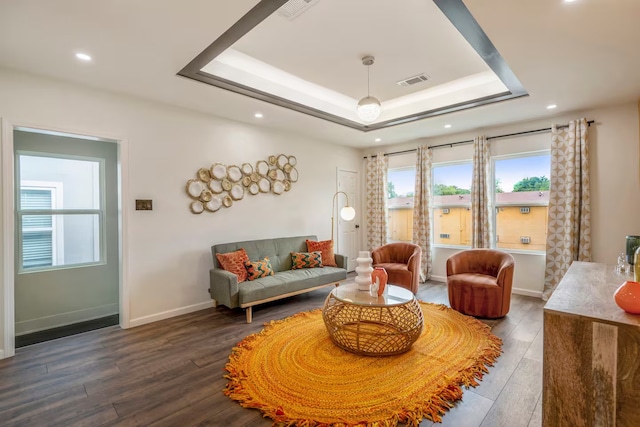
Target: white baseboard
[(527, 292), (169, 313), (439, 279), (1, 354), (64, 319)]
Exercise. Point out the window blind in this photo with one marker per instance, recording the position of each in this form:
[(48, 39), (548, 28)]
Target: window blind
[(37, 230)]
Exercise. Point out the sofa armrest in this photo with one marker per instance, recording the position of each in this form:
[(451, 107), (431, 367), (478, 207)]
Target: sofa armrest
[(223, 287), (342, 261)]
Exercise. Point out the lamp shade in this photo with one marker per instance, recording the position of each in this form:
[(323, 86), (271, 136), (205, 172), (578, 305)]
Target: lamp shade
[(347, 213), (368, 109)]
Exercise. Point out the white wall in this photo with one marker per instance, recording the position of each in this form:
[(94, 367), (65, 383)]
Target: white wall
[(169, 248), (614, 144)]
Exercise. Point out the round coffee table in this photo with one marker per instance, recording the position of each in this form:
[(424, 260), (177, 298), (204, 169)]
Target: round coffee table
[(371, 325)]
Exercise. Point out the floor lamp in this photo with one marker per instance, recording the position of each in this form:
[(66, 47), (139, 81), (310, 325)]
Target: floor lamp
[(347, 213)]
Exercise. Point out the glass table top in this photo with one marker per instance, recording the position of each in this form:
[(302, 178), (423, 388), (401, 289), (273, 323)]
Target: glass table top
[(394, 295)]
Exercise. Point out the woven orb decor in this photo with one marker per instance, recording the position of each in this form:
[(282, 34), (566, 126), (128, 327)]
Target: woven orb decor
[(295, 374), (214, 188)]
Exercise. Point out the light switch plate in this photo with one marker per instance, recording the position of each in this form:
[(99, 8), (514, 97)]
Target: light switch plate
[(144, 205)]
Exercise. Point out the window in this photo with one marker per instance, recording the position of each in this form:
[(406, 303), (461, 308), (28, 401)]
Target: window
[(37, 230), (522, 200), (451, 203), (59, 212), (400, 191)]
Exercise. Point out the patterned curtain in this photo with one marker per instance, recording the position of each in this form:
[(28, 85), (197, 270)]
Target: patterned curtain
[(569, 225), (377, 200), (480, 194), (421, 211)]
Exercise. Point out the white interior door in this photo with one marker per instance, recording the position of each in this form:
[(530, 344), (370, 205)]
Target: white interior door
[(348, 230)]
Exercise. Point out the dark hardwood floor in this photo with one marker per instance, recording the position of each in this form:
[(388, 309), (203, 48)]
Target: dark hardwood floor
[(170, 373)]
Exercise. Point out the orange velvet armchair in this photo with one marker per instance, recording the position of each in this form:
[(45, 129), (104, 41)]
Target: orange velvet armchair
[(480, 281), (402, 262)]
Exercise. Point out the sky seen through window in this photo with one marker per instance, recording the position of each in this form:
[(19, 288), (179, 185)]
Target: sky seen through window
[(509, 171)]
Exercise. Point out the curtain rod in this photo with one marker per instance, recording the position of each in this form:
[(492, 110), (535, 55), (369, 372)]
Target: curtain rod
[(470, 141)]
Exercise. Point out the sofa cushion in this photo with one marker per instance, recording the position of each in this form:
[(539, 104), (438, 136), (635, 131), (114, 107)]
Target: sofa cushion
[(258, 269), (288, 281), (233, 262), (306, 260), (326, 247)]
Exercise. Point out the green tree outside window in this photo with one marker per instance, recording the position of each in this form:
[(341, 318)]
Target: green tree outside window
[(536, 183)]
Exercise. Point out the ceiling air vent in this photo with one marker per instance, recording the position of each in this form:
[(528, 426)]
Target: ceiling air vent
[(410, 81), (294, 8)]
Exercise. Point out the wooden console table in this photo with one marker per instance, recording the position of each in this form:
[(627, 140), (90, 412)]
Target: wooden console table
[(591, 352)]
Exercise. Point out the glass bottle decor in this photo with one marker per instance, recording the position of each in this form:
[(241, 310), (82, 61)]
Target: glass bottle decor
[(636, 265), (364, 270), (633, 242)]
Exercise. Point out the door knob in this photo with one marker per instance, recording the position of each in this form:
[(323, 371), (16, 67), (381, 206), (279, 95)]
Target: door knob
[(357, 226)]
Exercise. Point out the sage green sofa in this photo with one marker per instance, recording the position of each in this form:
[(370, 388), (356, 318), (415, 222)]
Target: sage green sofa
[(225, 289)]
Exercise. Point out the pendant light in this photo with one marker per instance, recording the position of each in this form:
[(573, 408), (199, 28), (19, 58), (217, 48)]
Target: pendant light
[(369, 107)]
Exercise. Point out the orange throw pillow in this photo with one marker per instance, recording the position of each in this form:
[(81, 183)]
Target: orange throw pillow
[(326, 247), (233, 262)]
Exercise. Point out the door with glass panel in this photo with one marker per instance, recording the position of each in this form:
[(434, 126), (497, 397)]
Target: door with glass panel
[(66, 230)]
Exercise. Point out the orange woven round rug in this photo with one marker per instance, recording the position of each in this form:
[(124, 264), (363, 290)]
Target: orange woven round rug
[(295, 374)]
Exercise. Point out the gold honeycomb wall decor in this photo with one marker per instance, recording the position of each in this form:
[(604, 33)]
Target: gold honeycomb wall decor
[(221, 185)]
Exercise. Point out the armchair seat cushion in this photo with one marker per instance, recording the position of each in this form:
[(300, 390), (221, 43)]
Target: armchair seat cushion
[(473, 279), (393, 266)]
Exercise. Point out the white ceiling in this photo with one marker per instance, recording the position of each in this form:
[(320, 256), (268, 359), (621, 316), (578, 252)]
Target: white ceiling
[(577, 55), (325, 45), (282, 57)]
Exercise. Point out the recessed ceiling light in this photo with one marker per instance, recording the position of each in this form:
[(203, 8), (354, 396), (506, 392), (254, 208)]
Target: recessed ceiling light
[(258, 115), (447, 126), (569, 1), (551, 107), (378, 139), (83, 57)]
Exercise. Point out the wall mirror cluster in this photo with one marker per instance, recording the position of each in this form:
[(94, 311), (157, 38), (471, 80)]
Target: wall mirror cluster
[(221, 185)]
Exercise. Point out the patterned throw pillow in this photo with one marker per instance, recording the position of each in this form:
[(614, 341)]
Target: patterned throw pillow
[(326, 247), (258, 269), (306, 260), (233, 262)]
